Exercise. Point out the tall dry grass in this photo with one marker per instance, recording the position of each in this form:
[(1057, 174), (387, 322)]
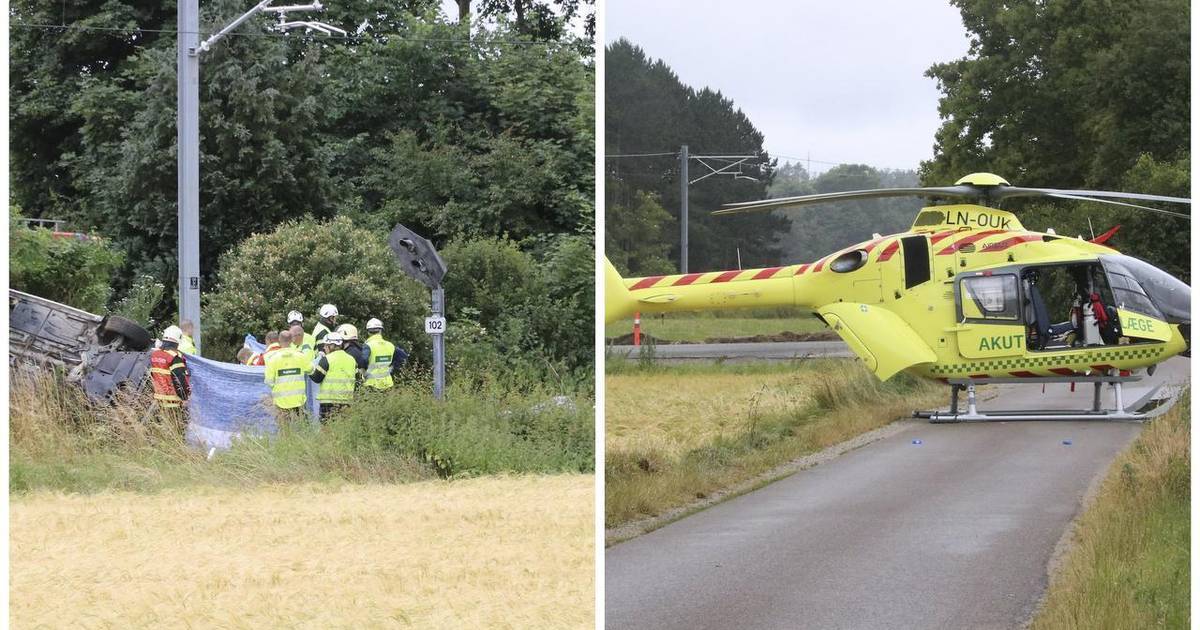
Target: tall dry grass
[(680, 433), (492, 552), (61, 440), (1128, 566)]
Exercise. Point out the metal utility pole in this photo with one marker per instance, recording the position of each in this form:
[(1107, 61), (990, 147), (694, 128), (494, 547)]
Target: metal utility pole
[(189, 165), (683, 209), (720, 169), (188, 141)]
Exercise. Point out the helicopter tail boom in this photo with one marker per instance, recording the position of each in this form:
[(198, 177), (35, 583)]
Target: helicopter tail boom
[(769, 287)]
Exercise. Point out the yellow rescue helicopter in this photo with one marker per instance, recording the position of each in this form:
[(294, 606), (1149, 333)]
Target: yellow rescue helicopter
[(967, 295)]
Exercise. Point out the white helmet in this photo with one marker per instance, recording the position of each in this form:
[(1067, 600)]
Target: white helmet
[(172, 333), (347, 331), (295, 317), (328, 310), (374, 324), (333, 338)]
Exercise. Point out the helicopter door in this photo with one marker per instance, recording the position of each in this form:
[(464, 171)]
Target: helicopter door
[(989, 316)]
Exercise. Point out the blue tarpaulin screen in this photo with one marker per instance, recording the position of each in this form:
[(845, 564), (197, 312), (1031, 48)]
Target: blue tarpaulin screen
[(230, 399)]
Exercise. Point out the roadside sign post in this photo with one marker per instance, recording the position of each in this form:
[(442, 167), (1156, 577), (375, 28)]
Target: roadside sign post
[(436, 326), (419, 260)]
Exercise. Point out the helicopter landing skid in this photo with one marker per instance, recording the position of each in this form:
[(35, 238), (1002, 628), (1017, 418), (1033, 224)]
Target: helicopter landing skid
[(1148, 406)]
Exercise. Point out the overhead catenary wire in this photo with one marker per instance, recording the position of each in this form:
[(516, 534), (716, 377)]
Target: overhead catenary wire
[(354, 38), (774, 155)]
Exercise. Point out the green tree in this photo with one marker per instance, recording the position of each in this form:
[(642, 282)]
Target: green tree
[(637, 237), (1089, 94), (73, 271), (1064, 94), (455, 134), (825, 228), (303, 264), (530, 307), (649, 110)]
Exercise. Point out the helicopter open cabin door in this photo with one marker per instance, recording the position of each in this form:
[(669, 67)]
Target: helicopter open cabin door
[(989, 315)]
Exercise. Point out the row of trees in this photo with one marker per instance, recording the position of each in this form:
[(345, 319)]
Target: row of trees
[(465, 135), (649, 110), (825, 228), (1089, 94)]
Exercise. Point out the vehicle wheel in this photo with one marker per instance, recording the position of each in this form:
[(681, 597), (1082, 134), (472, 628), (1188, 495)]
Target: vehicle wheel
[(136, 337)]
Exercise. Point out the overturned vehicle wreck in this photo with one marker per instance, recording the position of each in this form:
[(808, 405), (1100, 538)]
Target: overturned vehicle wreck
[(104, 354)]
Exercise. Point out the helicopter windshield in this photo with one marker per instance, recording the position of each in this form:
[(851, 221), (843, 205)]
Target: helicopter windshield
[(1136, 283)]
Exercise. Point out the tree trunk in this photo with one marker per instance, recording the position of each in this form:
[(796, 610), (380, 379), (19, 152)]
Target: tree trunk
[(464, 10), (519, 7)]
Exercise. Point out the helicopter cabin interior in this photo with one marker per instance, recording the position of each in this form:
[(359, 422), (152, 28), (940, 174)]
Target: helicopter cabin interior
[(1059, 306)]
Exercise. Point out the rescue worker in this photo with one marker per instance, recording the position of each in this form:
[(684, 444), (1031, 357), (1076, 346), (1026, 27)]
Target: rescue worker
[(243, 355), (385, 357), (285, 373), (186, 344), (255, 358), (295, 318), (303, 342), (273, 345), (328, 321), (353, 346), (169, 376), (337, 374)]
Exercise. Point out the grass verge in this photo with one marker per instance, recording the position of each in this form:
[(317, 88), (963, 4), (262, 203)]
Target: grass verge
[(676, 434), (1128, 566), (59, 440)]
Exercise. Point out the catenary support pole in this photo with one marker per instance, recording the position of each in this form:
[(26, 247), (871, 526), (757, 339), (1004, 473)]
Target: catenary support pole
[(188, 147), (683, 209), (439, 348)]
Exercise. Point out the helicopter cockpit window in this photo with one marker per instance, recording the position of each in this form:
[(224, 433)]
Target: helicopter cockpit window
[(1171, 296), (989, 297), (1127, 291)]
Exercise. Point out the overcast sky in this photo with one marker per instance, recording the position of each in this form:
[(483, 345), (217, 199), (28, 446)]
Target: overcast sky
[(840, 81)]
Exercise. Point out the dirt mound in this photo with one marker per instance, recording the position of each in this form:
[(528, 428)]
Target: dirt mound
[(786, 336)]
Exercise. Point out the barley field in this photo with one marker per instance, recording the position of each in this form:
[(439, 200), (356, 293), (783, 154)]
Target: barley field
[(496, 552), (679, 433)]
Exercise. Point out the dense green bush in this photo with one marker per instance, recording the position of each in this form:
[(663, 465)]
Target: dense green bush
[(472, 432), (141, 301), (304, 264), (527, 311), (71, 271)]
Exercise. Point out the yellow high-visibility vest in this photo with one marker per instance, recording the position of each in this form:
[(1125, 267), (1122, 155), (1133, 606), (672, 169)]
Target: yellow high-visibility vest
[(338, 386), (379, 365), (285, 374)]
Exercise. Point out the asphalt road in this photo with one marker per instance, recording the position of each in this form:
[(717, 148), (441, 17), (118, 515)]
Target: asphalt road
[(939, 526), (739, 351)]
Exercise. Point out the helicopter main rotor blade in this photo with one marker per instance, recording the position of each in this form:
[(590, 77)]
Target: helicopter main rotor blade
[(1118, 203), (878, 193), (1003, 192)]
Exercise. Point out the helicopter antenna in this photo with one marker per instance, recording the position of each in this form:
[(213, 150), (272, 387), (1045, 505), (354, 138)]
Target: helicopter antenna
[(1090, 228)]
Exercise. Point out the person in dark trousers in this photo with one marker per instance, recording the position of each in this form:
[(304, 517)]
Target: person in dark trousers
[(170, 379), (337, 374)]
